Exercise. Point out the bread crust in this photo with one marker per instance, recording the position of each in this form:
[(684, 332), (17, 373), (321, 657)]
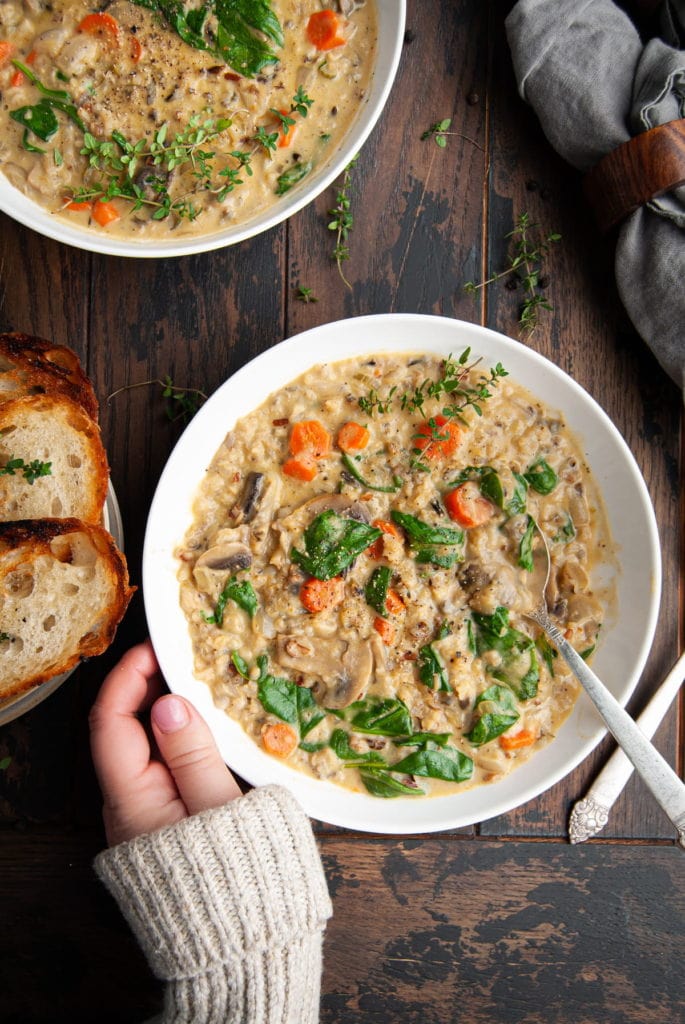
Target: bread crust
[(64, 424), (32, 366), (32, 547)]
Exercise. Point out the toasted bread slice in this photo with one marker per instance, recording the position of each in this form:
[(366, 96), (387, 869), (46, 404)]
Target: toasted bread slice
[(33, 366), (56, 431), (63, 591)]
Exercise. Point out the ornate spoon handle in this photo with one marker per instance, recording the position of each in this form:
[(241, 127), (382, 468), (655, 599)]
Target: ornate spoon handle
[(667, 789), (590, 814)]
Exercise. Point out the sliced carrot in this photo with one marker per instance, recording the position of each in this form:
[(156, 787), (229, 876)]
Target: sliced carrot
[(385, 630), (467, 506), (103, 25), (286, 132), (439, 441), (31, 57), (352, 437), (309, 437), (79, 207), (301, 467), (279, 739), (136, 50), (522, 738), (324, 30), (322, 595), (393, 602), (376, 549), (17, 78), (6, 51), (105, 213)]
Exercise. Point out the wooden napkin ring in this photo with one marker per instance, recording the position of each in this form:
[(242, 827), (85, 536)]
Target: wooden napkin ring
[(641, 169)]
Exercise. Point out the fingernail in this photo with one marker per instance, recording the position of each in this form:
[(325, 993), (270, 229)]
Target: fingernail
[(170, 714)]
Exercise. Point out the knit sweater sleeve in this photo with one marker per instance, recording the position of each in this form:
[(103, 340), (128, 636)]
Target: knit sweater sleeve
[(229, 907)]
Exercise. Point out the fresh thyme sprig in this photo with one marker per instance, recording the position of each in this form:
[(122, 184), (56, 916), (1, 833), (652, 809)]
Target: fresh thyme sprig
[(452, 383), (180, 403), (306, 294), (439, 131), (30, 470), (525, 265), (342, 219)]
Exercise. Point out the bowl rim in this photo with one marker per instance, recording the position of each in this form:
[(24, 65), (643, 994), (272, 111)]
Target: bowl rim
[(581, 732), (391, 22)]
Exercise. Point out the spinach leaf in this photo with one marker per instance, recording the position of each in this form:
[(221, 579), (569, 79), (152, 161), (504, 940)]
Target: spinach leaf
[(382, 784), (332, 543), (519, 667), (541, 477), (495, 710), (431, 667), (376, 590), (525, 559), (296, 173), (388, 717), (242, 593), (39, 119), (448, 764), (428, 542), (517, 503), (286, 700), (548, 653), (566, 533), (422, 739), (340, 745), (489, 483), (351, 467), (231, 30)]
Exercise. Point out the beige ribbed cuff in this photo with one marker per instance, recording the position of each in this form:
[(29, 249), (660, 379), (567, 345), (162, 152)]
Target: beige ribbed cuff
[(229, 906)]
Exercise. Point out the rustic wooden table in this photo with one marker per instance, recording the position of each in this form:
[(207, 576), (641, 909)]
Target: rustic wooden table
[(504, 921)]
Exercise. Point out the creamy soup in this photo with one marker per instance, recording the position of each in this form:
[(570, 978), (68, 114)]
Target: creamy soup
[(111, 119), (357, 573)]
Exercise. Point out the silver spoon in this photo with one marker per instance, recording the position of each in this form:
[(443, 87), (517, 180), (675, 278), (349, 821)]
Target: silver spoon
[(668, 790)]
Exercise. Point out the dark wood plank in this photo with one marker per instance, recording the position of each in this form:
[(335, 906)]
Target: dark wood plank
[(416, 208), (453, 930)]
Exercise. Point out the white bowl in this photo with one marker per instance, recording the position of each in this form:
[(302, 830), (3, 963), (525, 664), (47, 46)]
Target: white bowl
[(624, 646), (391, 17)]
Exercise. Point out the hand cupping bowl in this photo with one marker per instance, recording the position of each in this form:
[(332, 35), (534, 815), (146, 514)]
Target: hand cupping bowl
[(625, 638), (300, 128)]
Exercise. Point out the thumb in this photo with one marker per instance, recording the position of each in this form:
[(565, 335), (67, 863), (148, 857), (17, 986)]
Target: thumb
[(191, 755)]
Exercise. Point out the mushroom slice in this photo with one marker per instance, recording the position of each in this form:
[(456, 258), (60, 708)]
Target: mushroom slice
[(228, 555), (245, 510), (343, 669), (265, 509)]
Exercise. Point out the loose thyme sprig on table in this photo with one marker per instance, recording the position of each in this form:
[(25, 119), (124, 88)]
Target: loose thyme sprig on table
[(525, 268), (342, 219), (180, 403)]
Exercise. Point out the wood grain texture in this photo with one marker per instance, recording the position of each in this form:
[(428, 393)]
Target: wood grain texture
[(426, 930)]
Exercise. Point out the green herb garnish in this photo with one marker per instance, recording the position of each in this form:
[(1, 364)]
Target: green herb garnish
[(351, 467), (286, 700), (525, 557), (519, 665), (447, 763), (232, 30), (431, 544), (525, 265), (496, 712), (342, 219), (30, 470), (332, 542), (291, 177), (541, 477), (242, 594), (432, 669), (376, 590), (389, 717)]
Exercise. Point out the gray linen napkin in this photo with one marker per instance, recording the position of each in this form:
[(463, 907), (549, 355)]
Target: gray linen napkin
[(593, 84)]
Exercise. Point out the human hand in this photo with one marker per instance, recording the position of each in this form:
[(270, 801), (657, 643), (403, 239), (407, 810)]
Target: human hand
[(141, 791)]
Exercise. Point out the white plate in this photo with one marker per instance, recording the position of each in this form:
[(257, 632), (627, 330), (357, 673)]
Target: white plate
[(624, 647), (13, 707), (391, 17)]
